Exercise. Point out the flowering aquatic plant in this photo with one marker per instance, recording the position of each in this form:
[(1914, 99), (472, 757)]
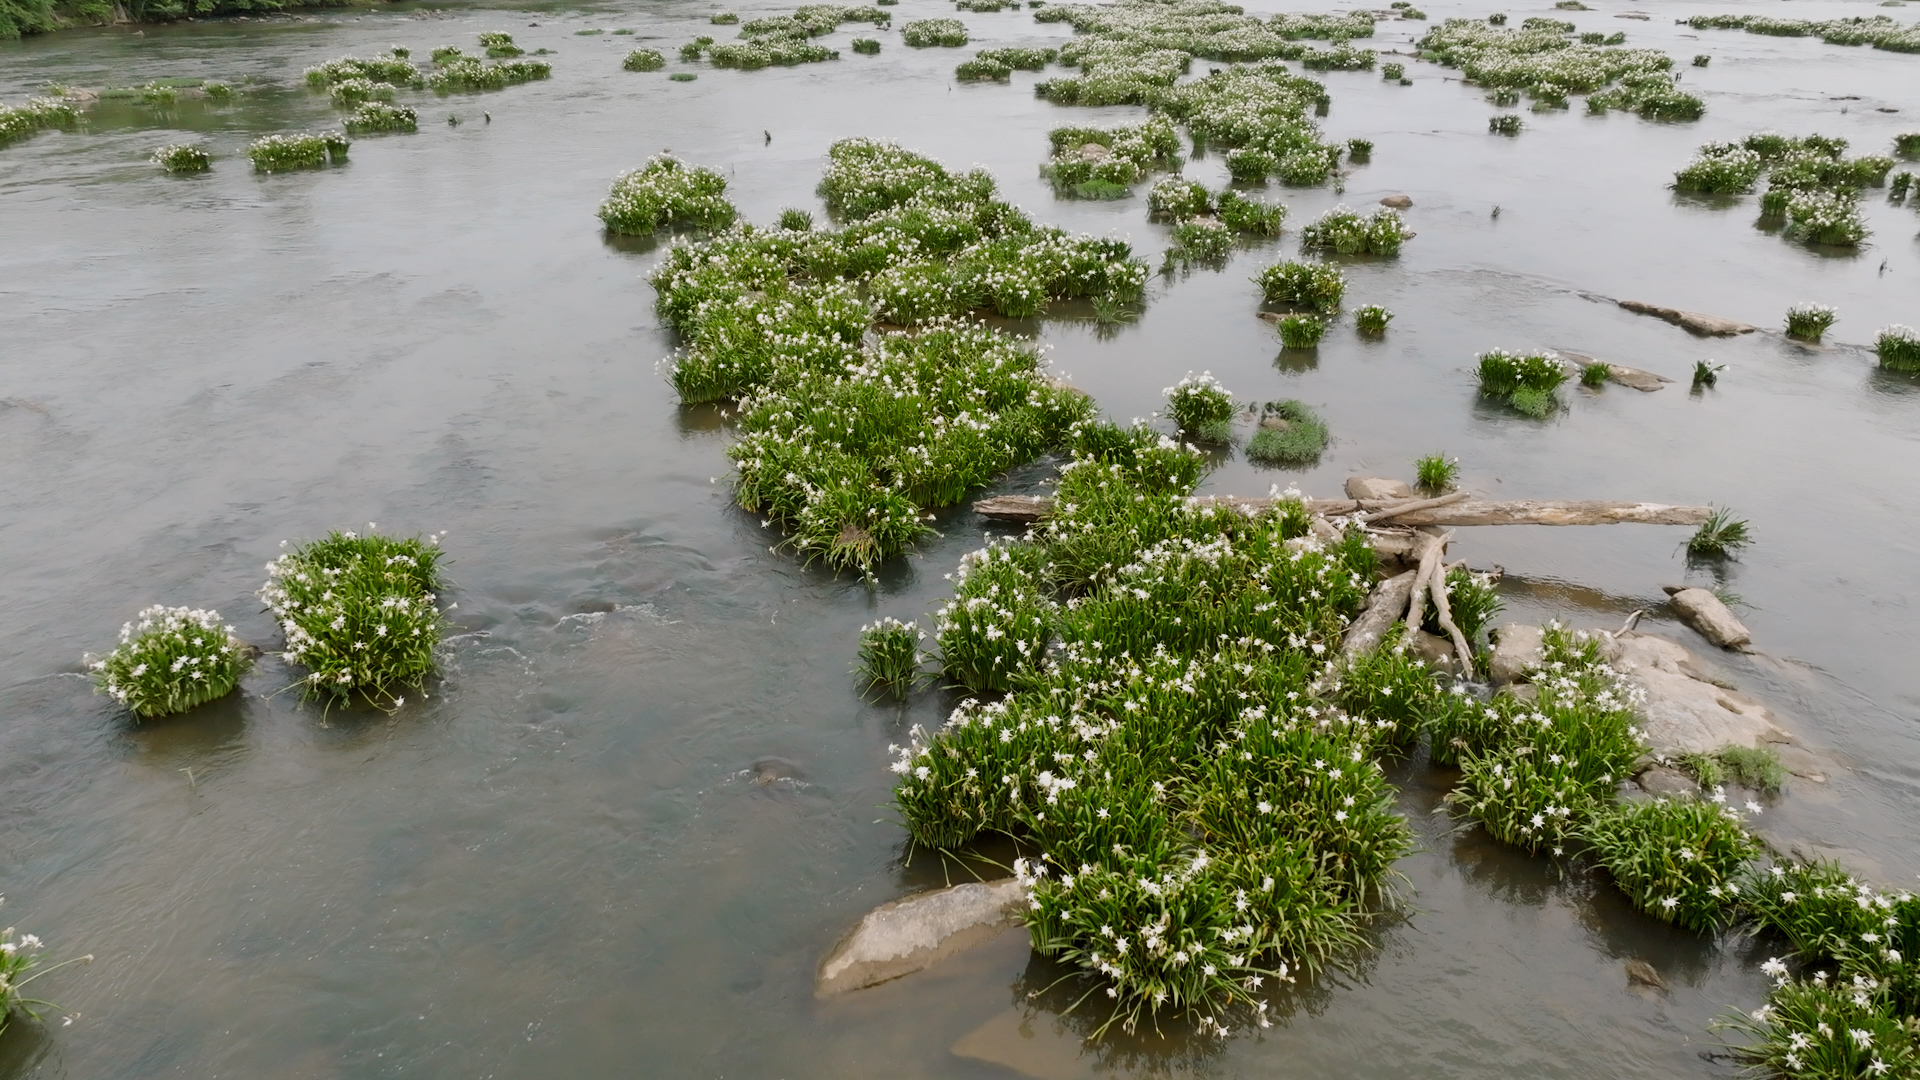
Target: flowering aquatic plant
[(1343, 231), (1371, 319), (1200, 406), (1679, 859), (890, 656), (360, 612), (1525, 382), (644, 60), (377, 116), (666, 192), (1435, 473), (1102, 163), (278, 153), (183, 157), (19, 958), (1178, 199), (922, 33), (1898, 348), (1808, 322), (1304, 284), (171, 660), (1301, 331)]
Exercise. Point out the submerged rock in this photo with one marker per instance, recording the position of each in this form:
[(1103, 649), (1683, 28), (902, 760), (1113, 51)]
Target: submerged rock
[(1706, 613), (1377, 487), (1010, 1041), (1398, 202), (1641, 973), (903, 936), (1710, 325), (1663, 782), (1516, 649), (1686, 714), (1633, 377)]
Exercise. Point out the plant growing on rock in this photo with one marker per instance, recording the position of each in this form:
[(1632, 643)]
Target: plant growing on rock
[(1301, 331), (170, 661), (1178, 199), (1721, 536), (666, 192), (1594, 375), (890, 656), (1096, 163), (278, 153), (1290, 434), (18, 960), (1757, 768), (1679, 860), (1304, 284), (1809, 322), (644, 60), (376, 116), (183, 157), (359, 612), (1200, 407), (925, 33), (1371, 319), (1204, 240), (1706, 373), (1343, 231), (499, 44), (1898, 348), (1245, 215), (1504, 124), (1435, 473), (1526, 382)]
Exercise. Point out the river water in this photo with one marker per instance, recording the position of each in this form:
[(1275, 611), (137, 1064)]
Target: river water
[(561, 863)]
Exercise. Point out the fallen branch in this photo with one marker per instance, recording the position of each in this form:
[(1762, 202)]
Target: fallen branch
[(1430, 552), (1418, 504), (1467, 511), (1437, 584), (1384, 605)]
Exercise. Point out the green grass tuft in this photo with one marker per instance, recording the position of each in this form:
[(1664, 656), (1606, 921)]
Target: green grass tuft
[(172, 660), (359, 612), (1679, 860), (1371, 319), (644, 60), (1809, 322), (1303, 284), (890, 657), (279, 153), (1898, 348), (1505, 124), (1594, 374), (866, 46), (1291, 434), (1435, 473), (1301, 331), (666, 192), (1721, 536)]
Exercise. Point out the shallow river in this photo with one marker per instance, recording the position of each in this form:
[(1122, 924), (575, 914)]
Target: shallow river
[(561, 865)]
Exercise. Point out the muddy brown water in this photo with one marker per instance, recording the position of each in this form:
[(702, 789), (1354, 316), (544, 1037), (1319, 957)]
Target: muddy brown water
[(561, 863)]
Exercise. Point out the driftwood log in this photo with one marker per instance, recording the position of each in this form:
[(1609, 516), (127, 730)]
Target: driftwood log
[(1385, 605), (1464, 511)]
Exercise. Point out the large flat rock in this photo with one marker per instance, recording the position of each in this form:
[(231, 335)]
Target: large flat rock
[(1709, 325), (1686, 714), (903, 936)]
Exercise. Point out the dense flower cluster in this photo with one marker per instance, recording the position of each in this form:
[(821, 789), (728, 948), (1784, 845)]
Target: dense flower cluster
[(1898, 347), (308, 150), (999, 64), (1543, 59), (469, 73), (1810, 181), (1304, 284), (359, 612), (1526, 382), (1098, 163), (1878, 31), (378, 116), (1679, 859), (384, 70), (1347, 233), (923, 33), (39, 113), (183, 157), (171, 660), (665, 192)]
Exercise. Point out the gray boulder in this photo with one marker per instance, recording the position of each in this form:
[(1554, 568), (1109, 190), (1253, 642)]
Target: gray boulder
[(1686, 714), (903, 936), (1377, 487), (1666, 783), (1706, 613), (1709, 325), (1517, 648), (1397, 202)]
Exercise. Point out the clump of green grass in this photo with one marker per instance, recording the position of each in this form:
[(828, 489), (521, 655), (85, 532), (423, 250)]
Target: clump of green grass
[(1897, 189), (1301, 331), (183, 157), (1594, 375), (666, 192), (1570, 5), (1720, 169), (591, 32), (359, 612), (1809, 322), (170, 661), (890, 656), (723, 18), (1178, 199), (1544, 59), (467, 73), (18, 961), (1907, 144), (1290, 434), (1204, 240), (1757, 768), (682, 76), (395, 70), (1526, 382), (1701, 60), (925, 33), (622, 32), (1721, 536), (1359, 149), (1393, 72), (1498, 18), (796, 220), (1680, 860), (1504, 124), (499, 45), (866, 46), (38, 114), (279, 153), (1371, 319), (1706, 373), (1201, 408), (1245, 215), (350, 92), (1898, 348), (1825, 217), (377, 116), (1348, 233), (998, 64), (1105, 163), (1303, 284), (1435, 473), (644, 60)]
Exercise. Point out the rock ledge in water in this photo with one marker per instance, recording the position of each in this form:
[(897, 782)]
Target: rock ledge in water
[(1706, 613), (1710, 325), (903, 936), (1686, 714)]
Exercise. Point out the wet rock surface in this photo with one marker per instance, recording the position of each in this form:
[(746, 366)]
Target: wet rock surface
[(1516, 648), (1015, 1042), (904, 936), (1666, 783), (1684, 713), (1709, 325), (1377, 487), (1397, 202), (1706, 613)]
